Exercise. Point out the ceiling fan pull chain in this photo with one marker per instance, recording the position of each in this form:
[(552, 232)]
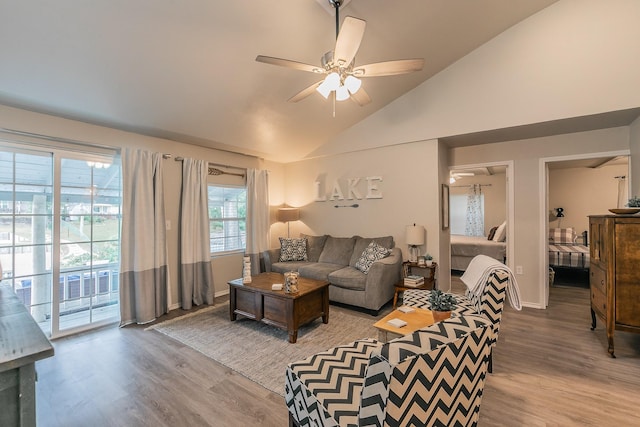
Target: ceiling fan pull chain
[(333, 98)]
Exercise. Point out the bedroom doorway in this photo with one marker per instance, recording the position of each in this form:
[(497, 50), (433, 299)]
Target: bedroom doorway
[(576, 187), (481, 200)]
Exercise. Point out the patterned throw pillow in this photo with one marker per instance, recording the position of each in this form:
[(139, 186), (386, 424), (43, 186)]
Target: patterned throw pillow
[(371, 254), (562, 236), (293, 249)]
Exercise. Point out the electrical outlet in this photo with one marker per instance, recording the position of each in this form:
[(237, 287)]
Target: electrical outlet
[(519, 269), (168, 224)]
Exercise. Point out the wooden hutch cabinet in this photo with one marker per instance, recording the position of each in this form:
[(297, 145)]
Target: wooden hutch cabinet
[(614, 273)]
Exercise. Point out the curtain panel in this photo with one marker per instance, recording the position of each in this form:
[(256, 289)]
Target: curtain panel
[(196, 276), (475, 214), (257, 216), (143, 263)]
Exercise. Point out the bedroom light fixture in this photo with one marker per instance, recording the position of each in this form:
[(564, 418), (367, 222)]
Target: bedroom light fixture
[(414, 238), (287, 215)]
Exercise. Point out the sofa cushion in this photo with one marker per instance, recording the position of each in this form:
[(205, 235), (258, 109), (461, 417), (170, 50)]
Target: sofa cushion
[(371, 254), (318, 270), (362, 243), (293, 249), (283, 267), (348, 278), (337, 250), (315, 244)]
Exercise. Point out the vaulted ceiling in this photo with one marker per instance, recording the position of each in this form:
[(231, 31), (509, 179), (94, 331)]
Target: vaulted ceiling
[(186, 70)]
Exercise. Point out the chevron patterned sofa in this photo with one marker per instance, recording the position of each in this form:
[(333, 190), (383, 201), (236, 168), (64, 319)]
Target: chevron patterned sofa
[(490, 304), (432, 377)]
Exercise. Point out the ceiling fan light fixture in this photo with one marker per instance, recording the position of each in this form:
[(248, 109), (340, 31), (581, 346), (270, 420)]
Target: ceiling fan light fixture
[(342, 93), (323, 90), (353, 84), (332, 81)]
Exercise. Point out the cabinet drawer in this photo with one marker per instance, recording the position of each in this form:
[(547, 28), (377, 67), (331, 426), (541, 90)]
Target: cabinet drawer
[(599, 302), (598, 280)]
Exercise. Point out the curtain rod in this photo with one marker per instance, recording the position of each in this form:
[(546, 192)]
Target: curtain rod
[(179, 159), (470, 185), (57, 139)]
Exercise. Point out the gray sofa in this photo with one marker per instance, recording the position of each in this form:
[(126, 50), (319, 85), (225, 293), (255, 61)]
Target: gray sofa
[(334, 259)]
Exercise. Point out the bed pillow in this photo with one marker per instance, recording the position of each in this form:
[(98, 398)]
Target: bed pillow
[(371, 254), (293, 249), (501, 233), (492, 233), (562, 236)]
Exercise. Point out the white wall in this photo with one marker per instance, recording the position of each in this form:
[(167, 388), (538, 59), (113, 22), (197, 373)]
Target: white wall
[(409, 188), (573, 58), (494, 189), (528, 202), (224, 268), (582, 192), (634, 143)]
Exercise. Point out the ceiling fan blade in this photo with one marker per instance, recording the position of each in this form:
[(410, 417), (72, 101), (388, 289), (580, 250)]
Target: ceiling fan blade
[(361, 97), (304, 93), (290, 64), (389, 68), (349, 39)]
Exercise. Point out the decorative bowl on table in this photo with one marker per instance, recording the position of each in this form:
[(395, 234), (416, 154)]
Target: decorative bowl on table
[(628, 211)]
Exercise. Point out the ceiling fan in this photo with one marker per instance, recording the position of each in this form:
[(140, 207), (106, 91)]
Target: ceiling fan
[(342, 74)]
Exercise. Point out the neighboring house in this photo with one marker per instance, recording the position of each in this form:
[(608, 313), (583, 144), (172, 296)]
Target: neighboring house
[(563, 78)]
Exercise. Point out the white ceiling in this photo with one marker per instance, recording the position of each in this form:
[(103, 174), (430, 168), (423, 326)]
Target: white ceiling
[(186, 70)]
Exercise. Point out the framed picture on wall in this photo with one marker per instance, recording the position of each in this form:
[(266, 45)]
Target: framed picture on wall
[(445, 206)]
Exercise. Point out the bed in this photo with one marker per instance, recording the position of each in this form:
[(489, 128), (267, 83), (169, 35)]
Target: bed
[(464, 248), (568, 250)]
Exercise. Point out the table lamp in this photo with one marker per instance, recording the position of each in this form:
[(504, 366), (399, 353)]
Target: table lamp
[(287, 215), (414, 238)]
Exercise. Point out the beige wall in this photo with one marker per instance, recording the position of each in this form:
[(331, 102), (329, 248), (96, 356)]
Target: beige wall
[(494, 188), (224, 268), (527, 156), (409, 188), (582, 192), (573, 58)]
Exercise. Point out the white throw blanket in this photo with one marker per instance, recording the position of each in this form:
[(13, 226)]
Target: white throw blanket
[(476, 275)]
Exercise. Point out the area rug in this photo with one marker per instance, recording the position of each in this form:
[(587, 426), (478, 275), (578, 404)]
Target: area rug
[(261, 352)]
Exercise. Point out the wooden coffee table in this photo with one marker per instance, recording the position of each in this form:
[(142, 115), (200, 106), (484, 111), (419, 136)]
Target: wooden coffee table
[(257, 301), (419, 318)]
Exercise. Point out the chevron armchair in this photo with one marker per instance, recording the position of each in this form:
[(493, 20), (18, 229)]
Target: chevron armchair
[(432, 377), (490, 304)]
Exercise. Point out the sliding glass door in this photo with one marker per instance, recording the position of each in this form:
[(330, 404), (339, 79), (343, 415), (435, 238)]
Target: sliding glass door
[(59, 236)]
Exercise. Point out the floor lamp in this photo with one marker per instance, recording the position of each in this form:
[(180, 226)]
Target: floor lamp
[(414, 238), (287, 215)]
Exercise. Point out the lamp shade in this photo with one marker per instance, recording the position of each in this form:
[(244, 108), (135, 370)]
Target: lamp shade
[(415, 235), (288, 214)]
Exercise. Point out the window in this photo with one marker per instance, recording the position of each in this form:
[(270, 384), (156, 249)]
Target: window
[(227, 218), (458, 211), (59, 236)]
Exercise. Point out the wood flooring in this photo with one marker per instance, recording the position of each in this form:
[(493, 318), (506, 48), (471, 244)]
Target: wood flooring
[(549, 369)]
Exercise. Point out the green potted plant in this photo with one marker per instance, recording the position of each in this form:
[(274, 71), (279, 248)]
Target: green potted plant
[(441, 304), (428, 259), (634, 202)]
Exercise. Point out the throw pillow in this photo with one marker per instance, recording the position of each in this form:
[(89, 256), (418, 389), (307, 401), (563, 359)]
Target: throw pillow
[(492, 233), (562, 236), (501, 233), (371, 254), (293, 249)]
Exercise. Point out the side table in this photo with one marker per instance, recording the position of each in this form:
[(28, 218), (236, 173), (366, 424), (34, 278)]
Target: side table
[(412, 268)]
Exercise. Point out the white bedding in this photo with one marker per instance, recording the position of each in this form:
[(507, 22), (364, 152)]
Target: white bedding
[(464, 248)]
